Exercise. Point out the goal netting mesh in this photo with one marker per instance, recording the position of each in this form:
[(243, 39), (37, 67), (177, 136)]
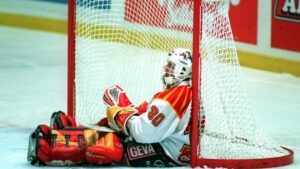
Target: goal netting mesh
[(126, 42)]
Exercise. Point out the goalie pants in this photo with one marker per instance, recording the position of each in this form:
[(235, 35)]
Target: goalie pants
[(147, 155)]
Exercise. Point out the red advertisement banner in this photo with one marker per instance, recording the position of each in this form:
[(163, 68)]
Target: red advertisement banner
[(287, 10), (243, 18), (286, 25)]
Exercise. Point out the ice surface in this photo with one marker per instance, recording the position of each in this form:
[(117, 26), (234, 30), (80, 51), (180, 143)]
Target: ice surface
[(33, 82)]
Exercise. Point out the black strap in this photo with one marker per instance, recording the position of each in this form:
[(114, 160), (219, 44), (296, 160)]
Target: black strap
[(55, 119), (34, 139), (33, 162)]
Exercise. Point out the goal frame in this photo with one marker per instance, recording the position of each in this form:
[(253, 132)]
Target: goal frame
[(195, 132), (71, 59), (196, 159)]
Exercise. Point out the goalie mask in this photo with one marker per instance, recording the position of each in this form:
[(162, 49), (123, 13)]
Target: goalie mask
[(178, 67)]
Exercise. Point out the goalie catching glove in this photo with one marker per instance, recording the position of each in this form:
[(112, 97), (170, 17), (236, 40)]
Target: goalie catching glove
[(116, 96), (120, 108)]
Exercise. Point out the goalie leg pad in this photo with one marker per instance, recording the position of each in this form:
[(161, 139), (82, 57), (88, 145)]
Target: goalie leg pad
[(108, 149), (56, 147), (38, 147), (68, 145)]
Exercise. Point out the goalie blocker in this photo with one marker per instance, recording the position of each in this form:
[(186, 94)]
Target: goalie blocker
[(67, 144)]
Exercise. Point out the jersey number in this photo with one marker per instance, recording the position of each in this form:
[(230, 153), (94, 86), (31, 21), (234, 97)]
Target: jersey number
[(155, 116)]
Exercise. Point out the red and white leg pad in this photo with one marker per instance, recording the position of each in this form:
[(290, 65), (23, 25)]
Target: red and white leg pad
[(106, 150), (71, 146)]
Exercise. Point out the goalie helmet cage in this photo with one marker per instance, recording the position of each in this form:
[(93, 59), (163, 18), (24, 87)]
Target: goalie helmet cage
[(125, 41)]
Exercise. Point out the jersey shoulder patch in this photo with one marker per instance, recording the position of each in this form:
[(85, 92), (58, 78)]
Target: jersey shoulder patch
[(178, 98)]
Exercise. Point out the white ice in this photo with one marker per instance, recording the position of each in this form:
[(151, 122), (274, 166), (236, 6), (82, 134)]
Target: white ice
[(33, 84)]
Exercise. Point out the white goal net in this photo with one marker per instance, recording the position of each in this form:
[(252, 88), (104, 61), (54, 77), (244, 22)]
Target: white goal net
[(125, 42)]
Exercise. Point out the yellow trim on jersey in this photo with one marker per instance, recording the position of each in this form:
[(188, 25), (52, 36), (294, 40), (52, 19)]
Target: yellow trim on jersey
[(178, 97), (169, 94), (186, 98)]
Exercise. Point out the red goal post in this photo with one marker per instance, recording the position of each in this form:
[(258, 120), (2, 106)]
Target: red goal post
[(100, 31)]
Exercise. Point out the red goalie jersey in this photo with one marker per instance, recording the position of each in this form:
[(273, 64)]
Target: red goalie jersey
[(166, 122)]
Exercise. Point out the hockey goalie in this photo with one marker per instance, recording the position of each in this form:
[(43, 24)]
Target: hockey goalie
[(154, 134)]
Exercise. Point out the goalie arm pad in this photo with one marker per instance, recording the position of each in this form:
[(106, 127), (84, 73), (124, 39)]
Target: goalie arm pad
[(117, 117)]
